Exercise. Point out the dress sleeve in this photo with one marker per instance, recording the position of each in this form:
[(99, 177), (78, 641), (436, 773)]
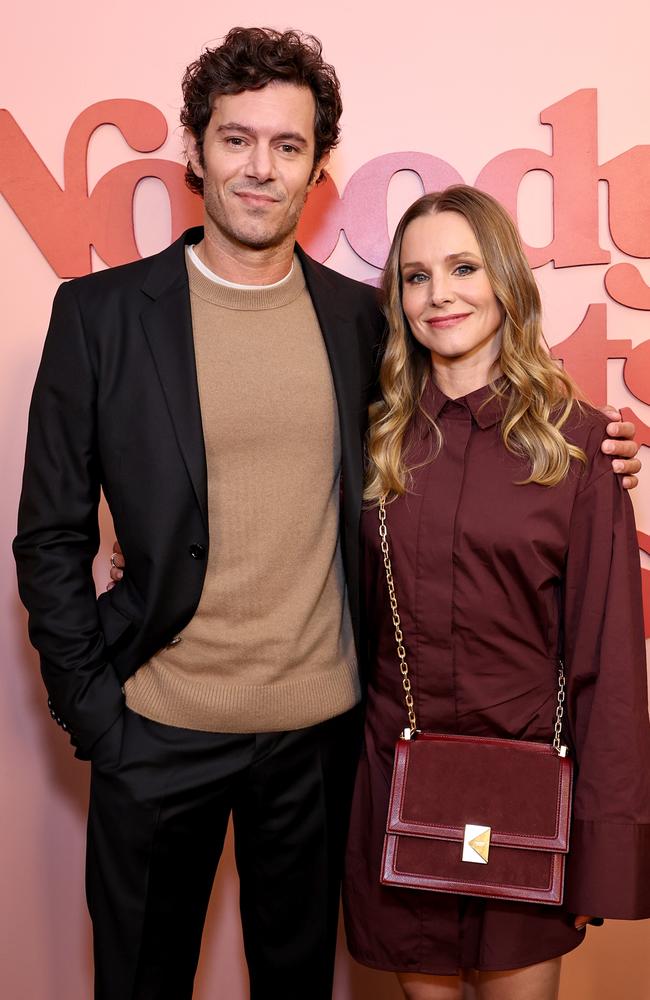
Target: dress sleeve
[(608, 869)]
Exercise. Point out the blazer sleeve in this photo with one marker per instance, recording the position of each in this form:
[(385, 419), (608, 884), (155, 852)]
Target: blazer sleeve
[(58, 533), (608, 870)]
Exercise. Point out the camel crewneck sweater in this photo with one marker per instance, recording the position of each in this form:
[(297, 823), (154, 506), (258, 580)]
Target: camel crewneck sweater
[(270, 646)]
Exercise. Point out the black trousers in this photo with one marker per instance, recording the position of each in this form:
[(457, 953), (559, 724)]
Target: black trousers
[(160, 801)]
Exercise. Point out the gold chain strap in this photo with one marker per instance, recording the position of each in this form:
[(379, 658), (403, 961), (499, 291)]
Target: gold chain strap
[(560, 749), (399, 638), (559, 712)]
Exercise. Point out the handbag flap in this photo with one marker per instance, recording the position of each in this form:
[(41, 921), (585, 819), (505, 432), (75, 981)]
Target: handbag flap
[(442, 783)]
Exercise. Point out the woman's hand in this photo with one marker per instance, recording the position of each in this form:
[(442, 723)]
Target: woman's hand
[(622, 447), (117, 566)]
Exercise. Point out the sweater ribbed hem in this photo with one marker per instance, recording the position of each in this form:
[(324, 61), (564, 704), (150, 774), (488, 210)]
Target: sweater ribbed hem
[(177, 700)]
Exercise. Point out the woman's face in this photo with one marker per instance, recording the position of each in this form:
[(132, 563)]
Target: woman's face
[(446, 294)]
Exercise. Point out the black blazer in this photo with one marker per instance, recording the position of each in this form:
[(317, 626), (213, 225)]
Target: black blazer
[(116, 407)]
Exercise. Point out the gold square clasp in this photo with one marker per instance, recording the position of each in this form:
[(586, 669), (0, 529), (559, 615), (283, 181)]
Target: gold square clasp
[(476, 843)]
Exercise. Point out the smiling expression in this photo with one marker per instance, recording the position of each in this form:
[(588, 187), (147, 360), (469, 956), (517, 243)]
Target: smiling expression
[(446, 294), (258, 164)]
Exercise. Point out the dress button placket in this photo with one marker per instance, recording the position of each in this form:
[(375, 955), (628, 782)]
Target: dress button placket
[(442, 487)]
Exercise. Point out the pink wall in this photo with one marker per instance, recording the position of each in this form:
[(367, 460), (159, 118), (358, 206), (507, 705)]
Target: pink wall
[(463, 83)]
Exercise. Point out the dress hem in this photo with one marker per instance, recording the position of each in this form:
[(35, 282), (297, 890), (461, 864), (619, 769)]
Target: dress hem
[(420, 969)]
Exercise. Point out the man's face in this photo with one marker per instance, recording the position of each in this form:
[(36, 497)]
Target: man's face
[(258, 164)]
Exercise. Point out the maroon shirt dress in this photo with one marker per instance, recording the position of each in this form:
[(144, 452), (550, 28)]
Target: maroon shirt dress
[(484, 568)]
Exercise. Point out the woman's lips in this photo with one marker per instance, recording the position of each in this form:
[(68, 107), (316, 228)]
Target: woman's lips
[(441, 322)]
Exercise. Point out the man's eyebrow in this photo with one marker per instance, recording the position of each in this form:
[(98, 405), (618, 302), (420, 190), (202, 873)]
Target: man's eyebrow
[(296, 137)]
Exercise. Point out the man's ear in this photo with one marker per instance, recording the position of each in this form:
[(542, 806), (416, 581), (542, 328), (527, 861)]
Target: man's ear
[(192, 153), (319, 170)]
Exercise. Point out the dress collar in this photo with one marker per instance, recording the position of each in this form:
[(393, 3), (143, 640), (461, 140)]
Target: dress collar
[(485, 408)]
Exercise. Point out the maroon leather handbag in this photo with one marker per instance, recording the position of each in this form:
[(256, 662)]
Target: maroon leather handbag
[(471, 814)]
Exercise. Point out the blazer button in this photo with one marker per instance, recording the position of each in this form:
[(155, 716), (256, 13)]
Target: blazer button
[(197, 551)]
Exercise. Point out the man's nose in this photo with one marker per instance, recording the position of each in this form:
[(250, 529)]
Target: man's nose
[(261, 163)]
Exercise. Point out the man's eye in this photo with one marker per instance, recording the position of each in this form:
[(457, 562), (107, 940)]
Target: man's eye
[(235, 140), (286, 147)]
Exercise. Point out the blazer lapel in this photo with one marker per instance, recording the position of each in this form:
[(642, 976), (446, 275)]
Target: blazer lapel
[(167, 322), (340, 338), (338, 326)]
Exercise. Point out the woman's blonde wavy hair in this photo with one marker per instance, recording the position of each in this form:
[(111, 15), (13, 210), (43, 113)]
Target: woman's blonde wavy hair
[(538, 395)]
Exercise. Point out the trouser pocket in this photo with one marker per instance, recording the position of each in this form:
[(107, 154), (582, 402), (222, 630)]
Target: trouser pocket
[(106, 754)]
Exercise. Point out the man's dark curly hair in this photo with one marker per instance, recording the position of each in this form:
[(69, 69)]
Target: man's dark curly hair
[(249, 59)]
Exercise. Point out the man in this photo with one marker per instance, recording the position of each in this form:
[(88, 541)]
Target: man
[(217, 392)]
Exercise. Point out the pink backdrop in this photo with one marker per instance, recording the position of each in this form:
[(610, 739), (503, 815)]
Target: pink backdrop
[(439, 92)]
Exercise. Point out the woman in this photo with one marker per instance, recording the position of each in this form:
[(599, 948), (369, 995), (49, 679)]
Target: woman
[(505, 525)]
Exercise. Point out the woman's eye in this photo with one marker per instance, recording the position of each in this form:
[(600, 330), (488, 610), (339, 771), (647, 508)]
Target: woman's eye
[(464, 269), (417, 279)]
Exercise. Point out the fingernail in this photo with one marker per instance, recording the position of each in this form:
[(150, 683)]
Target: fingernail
[(617, 465), (608, 446)]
